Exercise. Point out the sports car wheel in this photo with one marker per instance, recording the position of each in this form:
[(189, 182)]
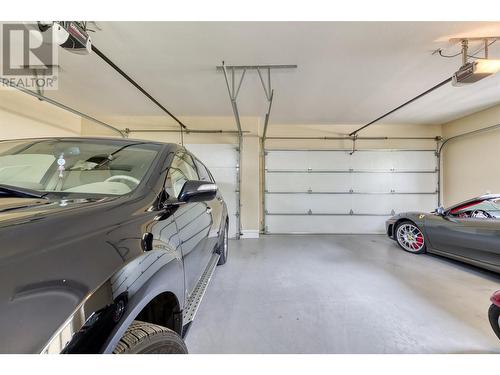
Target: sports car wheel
[(410, 238), (494, 317)]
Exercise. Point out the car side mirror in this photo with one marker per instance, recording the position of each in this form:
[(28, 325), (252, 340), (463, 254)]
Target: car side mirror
[(440, 211), (197, 191)]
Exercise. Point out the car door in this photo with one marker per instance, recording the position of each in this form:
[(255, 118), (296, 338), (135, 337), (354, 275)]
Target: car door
[(468, 237), (193, 220), (480, 239), (216, 206)]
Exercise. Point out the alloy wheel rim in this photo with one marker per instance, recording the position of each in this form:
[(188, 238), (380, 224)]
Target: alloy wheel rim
[(410, 237)]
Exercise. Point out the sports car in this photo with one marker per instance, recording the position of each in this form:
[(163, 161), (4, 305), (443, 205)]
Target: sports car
[(468, 231)]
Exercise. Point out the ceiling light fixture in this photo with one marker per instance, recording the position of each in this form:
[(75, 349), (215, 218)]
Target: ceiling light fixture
[(474, 71)]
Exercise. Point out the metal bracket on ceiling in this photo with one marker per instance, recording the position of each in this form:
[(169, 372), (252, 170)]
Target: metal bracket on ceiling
[(464, 41), (234, 85), (233, 91), (269, 92)]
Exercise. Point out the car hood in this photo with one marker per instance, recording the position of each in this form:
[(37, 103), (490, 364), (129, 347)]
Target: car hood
[(53, 253), (14, 210)]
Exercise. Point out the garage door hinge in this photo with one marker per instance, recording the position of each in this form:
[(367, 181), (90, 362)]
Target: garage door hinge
[(351, 191), (393, 212), (309, 212), (351, 212), (393, 191), (309, 191)]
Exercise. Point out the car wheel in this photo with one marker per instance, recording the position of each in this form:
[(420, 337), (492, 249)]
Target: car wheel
[(147, 338), (410, 237), (494, 316), (223, 251)]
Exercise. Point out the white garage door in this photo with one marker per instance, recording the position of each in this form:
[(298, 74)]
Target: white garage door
[(222, 160), (312, 191)]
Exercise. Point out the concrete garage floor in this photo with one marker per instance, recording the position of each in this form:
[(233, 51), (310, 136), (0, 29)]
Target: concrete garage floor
[(342, 294)]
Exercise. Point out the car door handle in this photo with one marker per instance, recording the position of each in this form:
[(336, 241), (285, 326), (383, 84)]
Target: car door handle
[(209, 210)]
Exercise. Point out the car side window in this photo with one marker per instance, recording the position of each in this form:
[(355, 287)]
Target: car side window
[(485, 209), (181, 170), (203, 172)]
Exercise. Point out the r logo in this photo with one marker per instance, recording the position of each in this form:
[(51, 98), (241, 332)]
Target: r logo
[(25, 52)]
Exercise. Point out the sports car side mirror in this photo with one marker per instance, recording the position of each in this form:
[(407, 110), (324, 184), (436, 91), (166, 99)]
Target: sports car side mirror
[(440, 211), (197, 191)]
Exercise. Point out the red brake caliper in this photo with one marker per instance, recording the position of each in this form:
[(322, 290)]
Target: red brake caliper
[(419, 240)]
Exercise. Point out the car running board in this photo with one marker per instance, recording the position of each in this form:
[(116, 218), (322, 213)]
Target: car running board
[(195, 298)]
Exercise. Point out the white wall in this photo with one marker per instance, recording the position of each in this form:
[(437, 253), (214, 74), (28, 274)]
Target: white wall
[(471, 164), (23, 116)]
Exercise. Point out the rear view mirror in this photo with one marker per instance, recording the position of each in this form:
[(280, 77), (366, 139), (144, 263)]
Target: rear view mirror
[(197, 191)]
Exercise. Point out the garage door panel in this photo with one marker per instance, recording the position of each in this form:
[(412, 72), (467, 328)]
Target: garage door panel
[(371, 182), (222, 161), (327, 160), (302, 182), (371, 160), (414, 182), (215, 155), (414, 202), (302, 203), (375, 184), (303, 160), (372, 204), (414, 160), (327, 224)]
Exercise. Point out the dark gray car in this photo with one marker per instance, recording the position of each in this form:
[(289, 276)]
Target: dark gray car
[(468, 231), (106, 245)]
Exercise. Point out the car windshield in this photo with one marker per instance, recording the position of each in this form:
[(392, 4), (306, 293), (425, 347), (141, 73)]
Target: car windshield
[(108, 167), (485, 208)]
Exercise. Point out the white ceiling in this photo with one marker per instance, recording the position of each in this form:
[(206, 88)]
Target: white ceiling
[(348, 72)]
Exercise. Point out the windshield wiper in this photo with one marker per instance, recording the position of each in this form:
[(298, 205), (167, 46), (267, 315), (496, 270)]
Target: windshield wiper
[(111, 156), (16, 191)]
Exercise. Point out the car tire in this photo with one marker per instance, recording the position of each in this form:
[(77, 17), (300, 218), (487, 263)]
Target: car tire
[(147, 338), (415, 245), (494, 317), (224, 247)]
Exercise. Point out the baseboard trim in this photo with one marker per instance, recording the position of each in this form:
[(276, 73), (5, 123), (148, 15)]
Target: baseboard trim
[(248, 234)]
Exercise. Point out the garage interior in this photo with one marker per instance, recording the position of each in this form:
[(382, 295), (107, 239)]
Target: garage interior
[(277, 111)]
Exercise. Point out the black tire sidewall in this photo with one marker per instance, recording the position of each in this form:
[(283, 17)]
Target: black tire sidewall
[(225, 239), (493, 315), (165, 343), (147, 338)]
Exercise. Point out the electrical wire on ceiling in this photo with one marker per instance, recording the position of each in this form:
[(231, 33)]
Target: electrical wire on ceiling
[(472, 56)]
